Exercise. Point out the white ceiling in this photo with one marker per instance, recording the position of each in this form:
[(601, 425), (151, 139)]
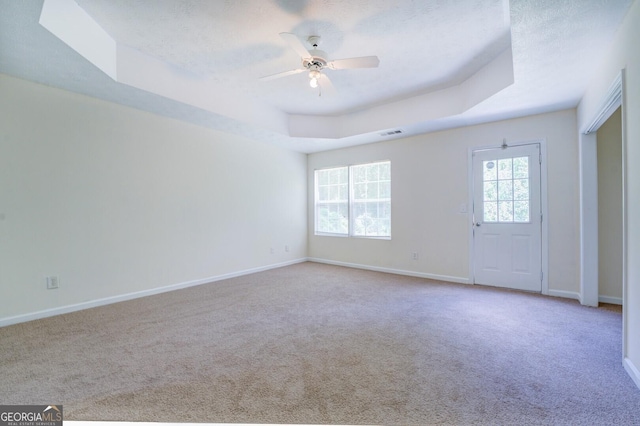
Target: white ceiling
[(200, 61)]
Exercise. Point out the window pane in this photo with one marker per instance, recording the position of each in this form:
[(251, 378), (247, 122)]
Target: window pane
[(505, 211), (323, 193), (490, 211), (372, 209), (332, 218), (334, 192), (360, 191), (359, 174), (490, 191), (384, 228), (521, 167), (372, 190), (521, 189), (372, 212), (334, 176), (344, 192), (505, 190), (504, 168), (322, 177), (344, 175), (385, 210), (362, 220), (490, 172), (385, 189), (372, 173), (343, 221), (521, 211)]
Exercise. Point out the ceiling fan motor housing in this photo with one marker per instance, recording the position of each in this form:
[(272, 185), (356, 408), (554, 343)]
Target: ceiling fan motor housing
[(316, 62)]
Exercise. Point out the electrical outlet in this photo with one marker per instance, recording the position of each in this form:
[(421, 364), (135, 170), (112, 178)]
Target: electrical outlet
[(52, 282), (272, 250), (286, 248), (414, 255)]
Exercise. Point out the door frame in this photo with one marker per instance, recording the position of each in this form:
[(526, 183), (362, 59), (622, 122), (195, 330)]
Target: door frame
[(612, 100), (543, 206), (589, 194)]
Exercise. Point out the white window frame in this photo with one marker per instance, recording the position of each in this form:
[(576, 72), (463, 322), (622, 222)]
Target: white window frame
[(350, 203), (318, 202)]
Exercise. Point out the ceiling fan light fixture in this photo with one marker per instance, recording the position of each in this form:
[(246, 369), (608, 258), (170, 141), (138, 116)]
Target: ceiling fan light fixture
[(314, 75)]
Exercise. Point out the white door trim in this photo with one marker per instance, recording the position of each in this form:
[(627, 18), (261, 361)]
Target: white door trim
[(613, 99), (543, 206), (589, 193)]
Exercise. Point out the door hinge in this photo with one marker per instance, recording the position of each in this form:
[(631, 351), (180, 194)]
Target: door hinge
[(541, 276), (541, 217)]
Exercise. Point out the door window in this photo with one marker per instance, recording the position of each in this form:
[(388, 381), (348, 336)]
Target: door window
[(506, 193)]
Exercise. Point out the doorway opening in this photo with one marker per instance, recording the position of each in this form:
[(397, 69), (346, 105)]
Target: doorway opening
[(609, 170), (589, 200)]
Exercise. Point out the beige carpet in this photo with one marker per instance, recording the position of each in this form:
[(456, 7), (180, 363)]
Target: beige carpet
[(314, 343)]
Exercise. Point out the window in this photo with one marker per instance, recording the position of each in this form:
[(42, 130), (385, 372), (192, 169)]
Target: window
[(506, 190), (332, 201), (371, 199), (354, 200)]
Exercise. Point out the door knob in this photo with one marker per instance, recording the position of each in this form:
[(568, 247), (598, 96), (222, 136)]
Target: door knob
[(477, 224)]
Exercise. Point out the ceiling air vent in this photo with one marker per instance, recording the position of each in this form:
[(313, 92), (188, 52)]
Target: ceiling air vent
[(391, 132)]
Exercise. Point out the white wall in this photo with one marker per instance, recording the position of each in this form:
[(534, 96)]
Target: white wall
[(609, 151), (430, 182), (115, 201), (625, 54)]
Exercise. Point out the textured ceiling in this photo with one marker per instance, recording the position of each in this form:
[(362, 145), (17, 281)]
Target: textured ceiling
[(423, 46), (236, 42)]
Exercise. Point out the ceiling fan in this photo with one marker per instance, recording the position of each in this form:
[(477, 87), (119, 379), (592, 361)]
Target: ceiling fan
[(314, 61)]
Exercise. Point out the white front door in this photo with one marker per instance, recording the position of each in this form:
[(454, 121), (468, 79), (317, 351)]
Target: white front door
[(507, 249)]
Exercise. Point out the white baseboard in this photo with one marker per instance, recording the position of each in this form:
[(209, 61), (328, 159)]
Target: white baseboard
[(611, 300), (448, 278), (632, 370), (135, 295), (565, 294)]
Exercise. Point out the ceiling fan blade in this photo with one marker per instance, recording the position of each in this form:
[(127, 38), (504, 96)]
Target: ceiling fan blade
[(296, 44), (282, 74), (325, 85), (361, 62)]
